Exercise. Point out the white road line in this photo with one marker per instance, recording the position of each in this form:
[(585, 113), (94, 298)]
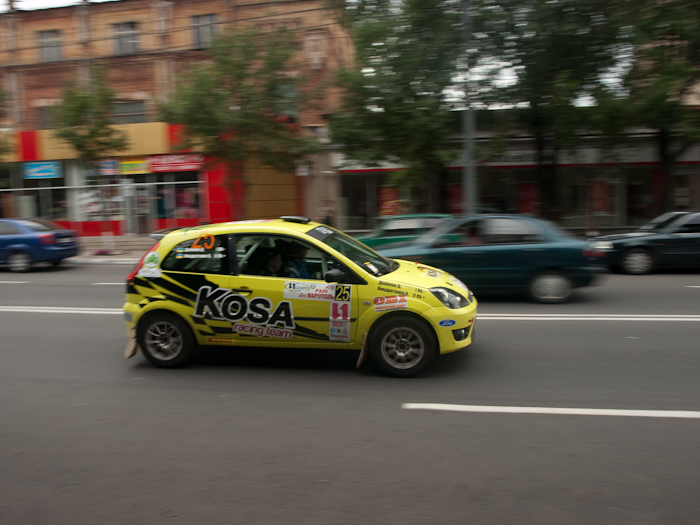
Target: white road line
[(683, 414), (61, 310), (14, 282), (691, 286), (108, 284), (587, 317)]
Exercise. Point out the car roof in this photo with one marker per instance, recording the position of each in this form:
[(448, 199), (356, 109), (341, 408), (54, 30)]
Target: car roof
[(281, 225), (420, 216)]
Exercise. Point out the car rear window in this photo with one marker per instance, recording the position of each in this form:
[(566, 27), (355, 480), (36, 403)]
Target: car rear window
[(40, 225), (205, 254)]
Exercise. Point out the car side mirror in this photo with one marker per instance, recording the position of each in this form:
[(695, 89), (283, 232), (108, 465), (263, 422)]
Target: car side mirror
[(335, 276)]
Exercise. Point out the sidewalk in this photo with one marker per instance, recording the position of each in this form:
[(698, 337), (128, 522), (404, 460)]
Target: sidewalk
[(127, 249)]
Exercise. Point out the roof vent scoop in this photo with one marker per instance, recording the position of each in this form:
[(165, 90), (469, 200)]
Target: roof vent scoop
[(295, 218)]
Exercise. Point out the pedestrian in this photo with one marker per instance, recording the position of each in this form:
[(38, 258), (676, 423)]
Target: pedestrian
[(325, 213)]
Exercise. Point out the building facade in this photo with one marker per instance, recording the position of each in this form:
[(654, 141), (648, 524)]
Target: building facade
[(144, 45)]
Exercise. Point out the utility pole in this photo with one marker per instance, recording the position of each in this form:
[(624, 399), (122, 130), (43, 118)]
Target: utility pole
[(469, 188)]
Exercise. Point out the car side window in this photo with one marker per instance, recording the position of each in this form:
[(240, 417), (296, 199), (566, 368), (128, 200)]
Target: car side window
[(401, 227), (279, 256), (468, 234), (8, 229), (510, 231), (205, 254), (692, 226)]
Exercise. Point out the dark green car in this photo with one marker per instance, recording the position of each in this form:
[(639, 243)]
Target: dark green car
[(404, 228), (672, 240), (507, 254)]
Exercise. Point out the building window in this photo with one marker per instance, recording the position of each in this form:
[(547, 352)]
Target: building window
[(126, 38), (203, 27), (49, 46), (129, 113), (315, 48), (44, 117)]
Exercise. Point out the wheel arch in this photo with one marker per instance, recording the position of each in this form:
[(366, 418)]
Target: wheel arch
[(157, 309), (405, 313)]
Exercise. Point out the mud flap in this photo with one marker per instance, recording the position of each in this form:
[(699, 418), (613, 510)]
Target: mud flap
[(363, 352), (131, 345)]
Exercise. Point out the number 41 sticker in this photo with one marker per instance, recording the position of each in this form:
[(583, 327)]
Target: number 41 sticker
[(340, 314)]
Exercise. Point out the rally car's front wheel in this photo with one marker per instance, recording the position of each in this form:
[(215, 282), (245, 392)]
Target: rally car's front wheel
[(402, 346), (166, 340)]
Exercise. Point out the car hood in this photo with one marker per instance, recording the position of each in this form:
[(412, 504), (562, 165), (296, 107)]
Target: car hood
[(622, 236), (422, 276)]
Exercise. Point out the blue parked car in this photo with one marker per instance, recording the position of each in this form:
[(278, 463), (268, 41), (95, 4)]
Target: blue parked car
[(24, 242), (508, 254)]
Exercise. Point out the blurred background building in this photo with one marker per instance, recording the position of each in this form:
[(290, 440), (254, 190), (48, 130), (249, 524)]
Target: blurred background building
[(144, 45)]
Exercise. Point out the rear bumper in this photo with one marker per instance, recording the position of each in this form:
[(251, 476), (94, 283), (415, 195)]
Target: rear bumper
[(588, 275)]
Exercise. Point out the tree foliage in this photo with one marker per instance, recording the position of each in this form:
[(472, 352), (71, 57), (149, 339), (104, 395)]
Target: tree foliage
[(397, 104), (662, 85), (548, 58), (83, 120), (233, 105)]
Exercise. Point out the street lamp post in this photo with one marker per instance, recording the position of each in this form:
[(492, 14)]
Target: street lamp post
[(469, 189)]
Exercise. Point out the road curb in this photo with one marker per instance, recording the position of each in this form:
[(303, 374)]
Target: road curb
[(88, 260)]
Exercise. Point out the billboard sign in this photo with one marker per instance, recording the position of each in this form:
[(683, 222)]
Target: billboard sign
[(41, 170)]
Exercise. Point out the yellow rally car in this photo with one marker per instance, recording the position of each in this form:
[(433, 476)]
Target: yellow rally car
[(294, 283)]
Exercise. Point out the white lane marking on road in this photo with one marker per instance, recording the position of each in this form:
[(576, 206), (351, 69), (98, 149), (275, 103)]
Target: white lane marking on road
[(108, 284), (14, 282), (691, 286), (683, 414), (586, 317), (62, 310)]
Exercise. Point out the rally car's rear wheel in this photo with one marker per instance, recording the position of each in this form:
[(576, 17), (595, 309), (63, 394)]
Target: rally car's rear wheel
[(402, 346), (165, 340)]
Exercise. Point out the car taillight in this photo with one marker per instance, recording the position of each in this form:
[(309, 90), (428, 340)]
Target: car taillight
[(47, 238), (597, 249), (132, 273)]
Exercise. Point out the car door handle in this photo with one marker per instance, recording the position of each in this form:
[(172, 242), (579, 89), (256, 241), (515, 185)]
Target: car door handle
[(245, 291)]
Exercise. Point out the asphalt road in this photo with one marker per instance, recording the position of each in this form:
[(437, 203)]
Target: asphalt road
[(302, 437)]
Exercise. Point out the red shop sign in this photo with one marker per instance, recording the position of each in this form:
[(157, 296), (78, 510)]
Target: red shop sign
[(187, 162)]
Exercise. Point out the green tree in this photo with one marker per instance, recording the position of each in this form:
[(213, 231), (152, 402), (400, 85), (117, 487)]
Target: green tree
[(548, 58), (661, 86), (397, 105), (237, 104), (83, 120)]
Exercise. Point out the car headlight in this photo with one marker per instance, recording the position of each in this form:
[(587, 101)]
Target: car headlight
[(450, 298), (601, 245)]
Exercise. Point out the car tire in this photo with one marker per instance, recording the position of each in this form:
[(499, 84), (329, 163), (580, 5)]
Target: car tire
[(402, 346), (550, 288), (19, 262), (637, 261), (166, 340)]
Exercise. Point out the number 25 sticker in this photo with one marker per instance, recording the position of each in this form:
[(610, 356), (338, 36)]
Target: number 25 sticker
[(204, 241), (343, 292)]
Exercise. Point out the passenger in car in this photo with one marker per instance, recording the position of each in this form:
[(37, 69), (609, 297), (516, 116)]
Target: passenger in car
[(296, 266), (274, 265)]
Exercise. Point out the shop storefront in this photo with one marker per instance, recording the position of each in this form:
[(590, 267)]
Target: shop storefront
[(586, 194), (135, 195)]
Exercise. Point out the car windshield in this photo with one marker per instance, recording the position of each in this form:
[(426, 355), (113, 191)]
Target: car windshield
[(363, 256), (40, 225), (437, 232), (661, 222)]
